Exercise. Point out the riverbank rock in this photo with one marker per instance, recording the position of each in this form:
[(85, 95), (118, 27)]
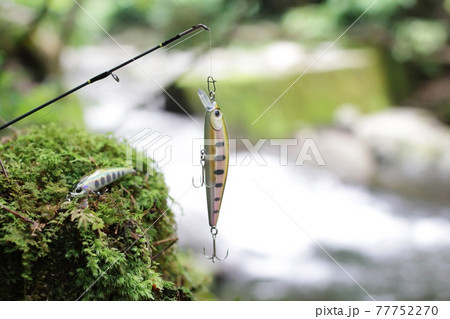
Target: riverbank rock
[(402, 149), (412, 150), (343, 153)]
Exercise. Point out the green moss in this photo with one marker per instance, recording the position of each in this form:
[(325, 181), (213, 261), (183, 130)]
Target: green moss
[(100, 247)]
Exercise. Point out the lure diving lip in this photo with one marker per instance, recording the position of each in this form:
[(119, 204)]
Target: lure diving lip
[(99, 178)]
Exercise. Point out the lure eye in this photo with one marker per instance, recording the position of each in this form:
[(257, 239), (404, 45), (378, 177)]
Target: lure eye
[(216, 119), (78, 190)]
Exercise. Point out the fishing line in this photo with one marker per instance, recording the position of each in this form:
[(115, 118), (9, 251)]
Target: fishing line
[(210, 53)]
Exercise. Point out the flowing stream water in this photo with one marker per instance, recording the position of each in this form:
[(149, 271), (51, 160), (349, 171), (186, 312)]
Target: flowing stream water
[(293, 231)]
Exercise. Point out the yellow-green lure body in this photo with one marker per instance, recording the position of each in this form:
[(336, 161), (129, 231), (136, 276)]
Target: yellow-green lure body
[(216, 156), (215, 162), (99, 178)]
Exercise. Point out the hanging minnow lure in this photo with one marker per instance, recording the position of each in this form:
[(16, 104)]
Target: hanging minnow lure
[(214, 159), (99, 178)]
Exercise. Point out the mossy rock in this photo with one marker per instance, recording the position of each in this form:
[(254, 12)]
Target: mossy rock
[(110, 246), (312, 100)]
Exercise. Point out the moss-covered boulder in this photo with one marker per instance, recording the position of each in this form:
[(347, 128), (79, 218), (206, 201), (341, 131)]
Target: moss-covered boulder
[(114, 246), (291, 86)]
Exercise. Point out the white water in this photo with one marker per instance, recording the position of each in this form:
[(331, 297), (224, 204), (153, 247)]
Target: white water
[(278, 222)]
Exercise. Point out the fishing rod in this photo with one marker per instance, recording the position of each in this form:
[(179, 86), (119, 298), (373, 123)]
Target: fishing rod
[(105, 74)]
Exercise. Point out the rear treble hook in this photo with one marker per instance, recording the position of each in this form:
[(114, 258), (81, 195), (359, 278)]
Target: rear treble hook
[(213, 257)]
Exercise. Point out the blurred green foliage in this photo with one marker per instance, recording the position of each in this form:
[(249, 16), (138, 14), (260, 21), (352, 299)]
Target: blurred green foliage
[(412, 34), (398, 25), (416, 38), (19, 95), (301, 19), (311, 23), (16, 100)]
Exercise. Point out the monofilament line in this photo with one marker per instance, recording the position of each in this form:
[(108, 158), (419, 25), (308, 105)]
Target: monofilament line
[(316, 242), (314, 62), (210, 53)]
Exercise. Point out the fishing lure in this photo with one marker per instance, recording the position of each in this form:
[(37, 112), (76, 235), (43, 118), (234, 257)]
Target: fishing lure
[(214, 159), (99, 178)]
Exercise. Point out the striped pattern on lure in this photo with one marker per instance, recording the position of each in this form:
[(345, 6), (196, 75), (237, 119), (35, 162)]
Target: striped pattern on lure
[(216, 157), (99, 178)]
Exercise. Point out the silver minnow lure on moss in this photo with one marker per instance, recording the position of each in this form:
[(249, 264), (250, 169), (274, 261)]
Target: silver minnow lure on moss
[(99, 178)]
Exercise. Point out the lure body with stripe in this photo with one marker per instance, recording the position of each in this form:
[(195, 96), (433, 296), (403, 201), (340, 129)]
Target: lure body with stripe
[(99, 178), (216, 157)]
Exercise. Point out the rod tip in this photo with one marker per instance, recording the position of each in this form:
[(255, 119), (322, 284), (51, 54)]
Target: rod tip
[(202, 26)]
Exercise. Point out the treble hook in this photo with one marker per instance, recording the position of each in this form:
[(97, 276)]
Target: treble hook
[(202, 180), (202, 162), (214, 232)]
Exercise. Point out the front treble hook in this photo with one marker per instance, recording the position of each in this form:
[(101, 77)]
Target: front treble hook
[(202, 162), (214, 232), (202, 180)]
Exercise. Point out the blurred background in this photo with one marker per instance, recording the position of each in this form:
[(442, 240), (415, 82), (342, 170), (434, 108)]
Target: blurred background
[(373, 222)]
